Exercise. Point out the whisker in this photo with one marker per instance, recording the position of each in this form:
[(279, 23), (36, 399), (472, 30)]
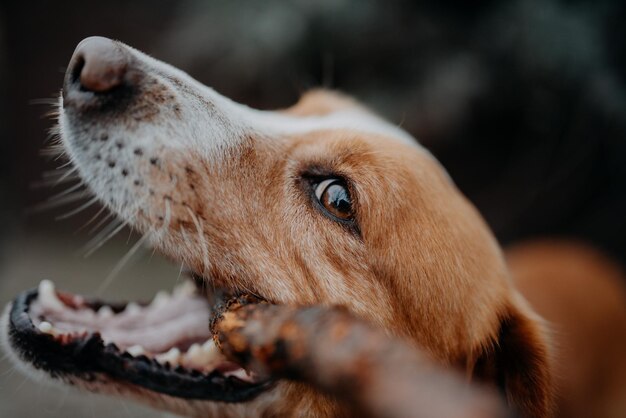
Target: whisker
[(54, 136), (9, 372), (21, 385), (78, 209), (125, 406), (100, 223), (44, 101), (49, 174), (167, 218), (58, 202), (64, 165), (120, 264), (53, 182), (130, 234), (53, 150), (105, 231), (187, 242), (55, 130), (66, 175), (60, 155), (98, 241), (180, 271), (53, 174), (51, 114), (92, 219), (199, 230), (65, 192), (153, 234), (401, 123)]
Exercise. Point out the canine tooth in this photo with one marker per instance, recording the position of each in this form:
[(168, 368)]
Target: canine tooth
[(161, 298), (186, 288), (135, 350), (201, 355), (105, 311), (194, 352), (239, 373), (46, 286), (48, 295), (171, 357), (210, 350), (209, 346), (132, 308), (46, 327)]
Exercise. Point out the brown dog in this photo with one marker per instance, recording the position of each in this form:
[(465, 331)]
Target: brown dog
[(321, 204)]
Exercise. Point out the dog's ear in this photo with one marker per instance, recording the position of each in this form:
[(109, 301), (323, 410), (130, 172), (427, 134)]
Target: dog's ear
[(519, 363)]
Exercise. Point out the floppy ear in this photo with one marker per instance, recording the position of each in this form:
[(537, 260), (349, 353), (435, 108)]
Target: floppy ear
[(519, 363)]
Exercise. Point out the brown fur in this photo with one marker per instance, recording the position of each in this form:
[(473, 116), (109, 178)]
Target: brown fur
[(580, 292), (422, 264)]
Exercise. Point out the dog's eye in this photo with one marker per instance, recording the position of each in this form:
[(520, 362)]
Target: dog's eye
[(335, 198)]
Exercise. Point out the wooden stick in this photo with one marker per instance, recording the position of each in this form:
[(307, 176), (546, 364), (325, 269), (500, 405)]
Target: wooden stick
[(328, 348)]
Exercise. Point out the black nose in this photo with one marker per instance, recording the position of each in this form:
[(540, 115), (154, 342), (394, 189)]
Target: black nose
[(98, 65)]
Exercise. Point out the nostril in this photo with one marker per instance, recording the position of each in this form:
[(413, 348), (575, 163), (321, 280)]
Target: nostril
[(78, 67), (98, 65)]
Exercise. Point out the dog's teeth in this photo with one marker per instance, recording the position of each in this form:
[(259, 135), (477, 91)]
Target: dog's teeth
[(48, 296), (105, 312), (46, 327), (186, 288), (210, 350), (194, 352), (132, 308), (209, 346), (239, 373), (135, 350), (161, 298), (46, 286), (172, 357), (201, 355)]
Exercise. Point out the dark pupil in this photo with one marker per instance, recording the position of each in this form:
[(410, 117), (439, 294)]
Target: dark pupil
[(337, 197)]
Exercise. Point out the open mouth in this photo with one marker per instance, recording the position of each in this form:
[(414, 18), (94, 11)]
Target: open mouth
[(164, 346)]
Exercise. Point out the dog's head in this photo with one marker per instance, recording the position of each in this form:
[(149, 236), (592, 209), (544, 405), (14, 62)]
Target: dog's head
[(322, 203)]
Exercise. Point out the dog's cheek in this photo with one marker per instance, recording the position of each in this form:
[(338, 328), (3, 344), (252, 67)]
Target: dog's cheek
[(298, 399)]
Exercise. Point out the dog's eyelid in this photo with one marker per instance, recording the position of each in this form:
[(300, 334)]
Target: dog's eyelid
[(331, 195), (322, 185)]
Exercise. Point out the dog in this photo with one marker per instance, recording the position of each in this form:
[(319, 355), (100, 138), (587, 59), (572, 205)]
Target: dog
[(323, 203)]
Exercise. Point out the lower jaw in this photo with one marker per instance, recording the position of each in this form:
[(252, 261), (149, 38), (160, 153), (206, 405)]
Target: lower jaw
[(88, 355)]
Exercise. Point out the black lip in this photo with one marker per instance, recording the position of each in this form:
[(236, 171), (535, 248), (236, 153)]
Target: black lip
[(87, 357)]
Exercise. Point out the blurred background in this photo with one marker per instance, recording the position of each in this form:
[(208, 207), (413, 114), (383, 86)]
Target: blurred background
[(523, 101)]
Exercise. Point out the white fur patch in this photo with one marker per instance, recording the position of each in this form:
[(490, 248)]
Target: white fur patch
[(192, 119), (243, 119)]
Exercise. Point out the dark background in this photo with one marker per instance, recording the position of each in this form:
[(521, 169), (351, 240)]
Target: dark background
[(523, 101)]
